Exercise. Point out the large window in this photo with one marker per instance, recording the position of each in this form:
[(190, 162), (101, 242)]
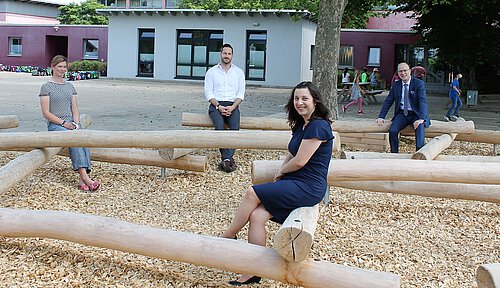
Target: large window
[(15, 46), (374, 56), (256, 55), (146, 52), (346, 56), (90, 49), (197, 50)]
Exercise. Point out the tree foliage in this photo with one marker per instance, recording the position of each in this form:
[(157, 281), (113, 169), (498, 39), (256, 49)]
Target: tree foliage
[(466, 33), (82, 14), (355, 15)]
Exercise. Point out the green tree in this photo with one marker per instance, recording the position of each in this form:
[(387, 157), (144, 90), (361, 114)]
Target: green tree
[(355, 15), (82, 14), (466, 33)]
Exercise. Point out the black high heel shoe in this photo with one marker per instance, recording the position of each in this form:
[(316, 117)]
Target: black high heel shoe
[(252, 280)]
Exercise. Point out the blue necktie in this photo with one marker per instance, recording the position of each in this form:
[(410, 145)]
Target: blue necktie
[(405, 100)]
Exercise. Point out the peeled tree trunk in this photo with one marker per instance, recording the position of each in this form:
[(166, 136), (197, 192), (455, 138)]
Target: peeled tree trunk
[(327, 48)]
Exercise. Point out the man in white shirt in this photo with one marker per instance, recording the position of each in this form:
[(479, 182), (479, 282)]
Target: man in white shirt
[(225, 89)]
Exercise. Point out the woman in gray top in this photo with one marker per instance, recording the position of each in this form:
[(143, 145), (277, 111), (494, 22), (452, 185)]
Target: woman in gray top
[(60, 108)]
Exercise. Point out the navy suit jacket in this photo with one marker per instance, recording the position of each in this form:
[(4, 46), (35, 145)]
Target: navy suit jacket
[(417, 95)]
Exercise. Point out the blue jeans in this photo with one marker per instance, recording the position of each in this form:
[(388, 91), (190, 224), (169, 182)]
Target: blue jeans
[(456, 104), (80, 157), (232, 121)]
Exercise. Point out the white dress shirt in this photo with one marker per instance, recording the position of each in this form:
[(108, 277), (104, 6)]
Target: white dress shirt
[(402, 103), (224, 86)]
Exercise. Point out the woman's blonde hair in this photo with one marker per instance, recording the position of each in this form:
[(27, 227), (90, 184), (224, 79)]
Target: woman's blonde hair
[(58, 59)]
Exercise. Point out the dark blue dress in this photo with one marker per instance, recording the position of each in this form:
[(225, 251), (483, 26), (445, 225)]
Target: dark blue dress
[(306, 186)]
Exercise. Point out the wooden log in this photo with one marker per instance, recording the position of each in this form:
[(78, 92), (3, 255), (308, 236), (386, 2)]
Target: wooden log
[(275, 140), (143, 157), (192, 248), (148, 139), (379, 136), (360, 126), (488, 276), (294, 239), (434, 147), (479, 136), (9, 121), (476, 192), (376, 155), (390, 170), (173, 153), (17, 169)]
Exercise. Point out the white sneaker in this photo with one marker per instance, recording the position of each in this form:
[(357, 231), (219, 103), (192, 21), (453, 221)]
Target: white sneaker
[(446, 118), (453, 118)]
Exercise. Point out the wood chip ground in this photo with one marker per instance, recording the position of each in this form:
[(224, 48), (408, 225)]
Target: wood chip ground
[(430, 242)]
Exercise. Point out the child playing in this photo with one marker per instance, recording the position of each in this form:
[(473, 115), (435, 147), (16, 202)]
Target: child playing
[(356, 95)]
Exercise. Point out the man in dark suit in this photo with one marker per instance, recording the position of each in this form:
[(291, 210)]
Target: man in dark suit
[(410, 100)]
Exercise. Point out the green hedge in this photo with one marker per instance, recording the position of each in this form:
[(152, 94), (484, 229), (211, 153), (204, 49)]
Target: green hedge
[(88, 65)]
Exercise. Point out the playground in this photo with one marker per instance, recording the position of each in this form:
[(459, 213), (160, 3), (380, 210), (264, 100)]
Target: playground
[(426, 241)]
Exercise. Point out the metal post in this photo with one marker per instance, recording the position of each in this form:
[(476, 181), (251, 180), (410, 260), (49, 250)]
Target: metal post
[(326, 199), (162, 172)]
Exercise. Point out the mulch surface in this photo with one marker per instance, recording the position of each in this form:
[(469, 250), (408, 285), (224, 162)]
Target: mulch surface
[(430, 242)]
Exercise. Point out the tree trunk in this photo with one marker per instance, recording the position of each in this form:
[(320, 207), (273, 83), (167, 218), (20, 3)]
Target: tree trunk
[(327, 51)]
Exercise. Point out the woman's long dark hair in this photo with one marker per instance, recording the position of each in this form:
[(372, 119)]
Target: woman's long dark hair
[(320, 112)]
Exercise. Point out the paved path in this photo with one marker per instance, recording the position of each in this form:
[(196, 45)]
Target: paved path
[(157, 105)]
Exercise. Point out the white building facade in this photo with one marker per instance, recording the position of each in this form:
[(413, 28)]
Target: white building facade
[(173, 44)]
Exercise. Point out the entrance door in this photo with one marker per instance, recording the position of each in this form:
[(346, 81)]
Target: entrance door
[(256, 55)]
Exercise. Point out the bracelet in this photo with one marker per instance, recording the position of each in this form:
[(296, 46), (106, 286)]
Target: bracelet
[(217, 107), (64, 122)]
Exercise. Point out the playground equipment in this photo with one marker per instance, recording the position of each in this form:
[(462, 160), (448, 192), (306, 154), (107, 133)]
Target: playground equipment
[(186, 247), (411, 174), (360, 126), (8, 121), (294, 239)]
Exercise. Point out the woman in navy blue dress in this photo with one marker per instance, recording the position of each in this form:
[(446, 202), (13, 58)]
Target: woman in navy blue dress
[(301, 180)]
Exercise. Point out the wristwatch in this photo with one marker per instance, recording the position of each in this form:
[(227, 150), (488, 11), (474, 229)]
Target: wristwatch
[(217, 107), (62, 124)]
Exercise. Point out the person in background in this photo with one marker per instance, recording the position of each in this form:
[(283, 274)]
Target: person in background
[(374, 78), (59, 106), (364, 75), (225, 90), (356, 95), (419, 72), (346, 78), (456, 102), (301, 180), (410, 100), (395, 78)]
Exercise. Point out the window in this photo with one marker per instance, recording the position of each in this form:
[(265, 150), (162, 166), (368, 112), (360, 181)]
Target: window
[(374, 56), (15, 46), (90, 49), (346, 56), (256, 55), (313, 57), (146, 52), (197, 50)]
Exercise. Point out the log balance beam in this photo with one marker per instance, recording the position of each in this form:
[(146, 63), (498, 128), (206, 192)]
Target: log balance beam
[(142, 157), (19, 168), (196, 249), (359, 126), (274, 140), (471, 181), (488, 276), (9, 121)]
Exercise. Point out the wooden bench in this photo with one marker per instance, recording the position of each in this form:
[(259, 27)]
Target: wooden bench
[(370, 95)]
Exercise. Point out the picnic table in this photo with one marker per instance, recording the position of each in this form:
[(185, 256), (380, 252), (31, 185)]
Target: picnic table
[(370, 94)]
